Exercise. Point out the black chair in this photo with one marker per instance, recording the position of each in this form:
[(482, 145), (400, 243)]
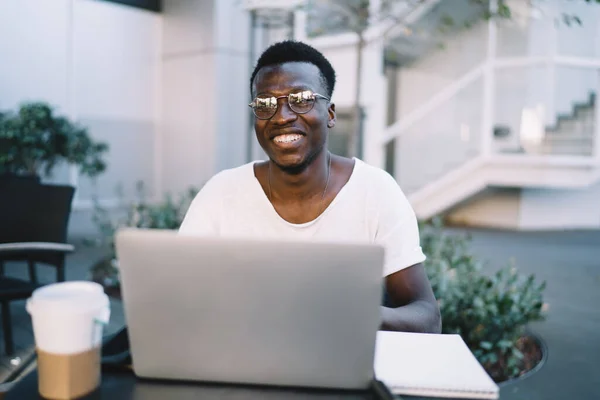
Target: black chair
[(34, 219), (12, 289)]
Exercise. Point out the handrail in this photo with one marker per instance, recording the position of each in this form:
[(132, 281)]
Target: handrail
[(438, 99), (447, 178), (449, 91), (477, 182), (578, 62)]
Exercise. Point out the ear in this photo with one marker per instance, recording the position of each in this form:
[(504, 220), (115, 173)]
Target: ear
[(331, 114)]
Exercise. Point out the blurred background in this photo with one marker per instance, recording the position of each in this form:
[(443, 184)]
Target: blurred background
[(484, 111), (484, 115)]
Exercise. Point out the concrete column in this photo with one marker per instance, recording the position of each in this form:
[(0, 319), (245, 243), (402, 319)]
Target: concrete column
[(300, 25), (233, 82), (374, 99), (204, 90)]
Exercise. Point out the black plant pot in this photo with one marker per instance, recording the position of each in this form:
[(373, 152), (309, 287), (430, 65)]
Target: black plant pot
[(8, 176)]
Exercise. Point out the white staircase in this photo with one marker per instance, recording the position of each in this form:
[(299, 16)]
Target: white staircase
[(442, 158), (502, 104), (510, 171), (573, 134), (570, 134)]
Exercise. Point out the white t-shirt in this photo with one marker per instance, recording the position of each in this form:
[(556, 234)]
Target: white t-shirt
[(370, 208)]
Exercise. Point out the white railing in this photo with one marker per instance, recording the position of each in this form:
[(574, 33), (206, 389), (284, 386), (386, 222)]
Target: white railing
[(442, 140), (545, 108), (543, 102), (425, 110)]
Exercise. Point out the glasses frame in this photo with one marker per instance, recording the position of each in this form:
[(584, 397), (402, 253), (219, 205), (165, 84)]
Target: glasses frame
[(314, 95)]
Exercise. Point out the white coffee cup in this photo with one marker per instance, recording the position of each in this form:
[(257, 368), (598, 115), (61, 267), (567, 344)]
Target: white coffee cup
[(68, 320), (68, 317)]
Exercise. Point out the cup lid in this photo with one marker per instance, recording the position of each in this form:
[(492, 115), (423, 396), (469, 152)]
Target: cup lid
[(59, 289), (68, 297)]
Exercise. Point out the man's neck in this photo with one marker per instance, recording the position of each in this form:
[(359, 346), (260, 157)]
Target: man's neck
[(308, 183)]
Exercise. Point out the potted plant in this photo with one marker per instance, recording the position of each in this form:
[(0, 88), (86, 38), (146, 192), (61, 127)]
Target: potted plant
[(491, 312), (34, 140)]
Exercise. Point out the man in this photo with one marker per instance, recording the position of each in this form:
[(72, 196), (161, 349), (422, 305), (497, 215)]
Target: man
[(304, 192)]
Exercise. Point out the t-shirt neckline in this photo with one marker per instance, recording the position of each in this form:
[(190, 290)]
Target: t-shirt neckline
[(272, 209)]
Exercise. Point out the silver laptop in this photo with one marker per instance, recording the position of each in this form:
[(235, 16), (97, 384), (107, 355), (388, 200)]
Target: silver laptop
[(299, 314)]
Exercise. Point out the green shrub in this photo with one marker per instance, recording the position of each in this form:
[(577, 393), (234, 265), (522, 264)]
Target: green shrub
[(140, 213), (490, 312)]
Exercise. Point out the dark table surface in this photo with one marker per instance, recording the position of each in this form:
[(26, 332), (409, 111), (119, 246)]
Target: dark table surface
[(123, 385)]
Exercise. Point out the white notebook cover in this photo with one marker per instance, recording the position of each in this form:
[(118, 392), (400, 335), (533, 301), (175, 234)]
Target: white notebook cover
[(431, 365)]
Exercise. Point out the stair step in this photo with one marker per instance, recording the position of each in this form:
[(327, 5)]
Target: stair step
[(575, 126), (588, 130), (569, 139), (562, 150)]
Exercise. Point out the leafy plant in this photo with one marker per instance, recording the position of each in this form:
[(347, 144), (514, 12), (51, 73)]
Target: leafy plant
[(490, 312), (140, 213), (35, 139)]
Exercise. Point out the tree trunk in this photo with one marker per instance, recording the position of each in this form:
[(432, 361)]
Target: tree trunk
[(354, 139)]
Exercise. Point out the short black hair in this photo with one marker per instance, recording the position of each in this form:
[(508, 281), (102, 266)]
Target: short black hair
[(294, 51)]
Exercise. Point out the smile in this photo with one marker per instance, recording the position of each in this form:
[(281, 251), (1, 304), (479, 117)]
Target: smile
[(289, 138)]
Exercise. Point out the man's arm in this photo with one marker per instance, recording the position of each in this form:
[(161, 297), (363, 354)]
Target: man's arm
[(415, 308)]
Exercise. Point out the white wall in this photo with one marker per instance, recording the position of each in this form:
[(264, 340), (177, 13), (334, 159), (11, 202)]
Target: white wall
[(97, 63), (450, 134), (205, 90), (343, 60), (579, 40), (188, 91), (560, 209), (526, 32), (233, 77), (34, 62), (421, 80), (492, 209), (167, 91), (531, 209), (116, 65)]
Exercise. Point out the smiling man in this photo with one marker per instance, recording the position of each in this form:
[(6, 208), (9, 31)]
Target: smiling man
[(304, 192)]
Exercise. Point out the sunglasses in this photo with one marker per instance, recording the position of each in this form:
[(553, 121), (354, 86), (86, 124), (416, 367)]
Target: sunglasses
[(299, 102)]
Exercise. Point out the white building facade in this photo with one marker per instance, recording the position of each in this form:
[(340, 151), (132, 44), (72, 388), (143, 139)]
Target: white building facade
[(167, 89), (497, 128)]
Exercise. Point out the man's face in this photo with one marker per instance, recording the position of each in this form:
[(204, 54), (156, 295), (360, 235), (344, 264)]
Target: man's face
[(293, 140)]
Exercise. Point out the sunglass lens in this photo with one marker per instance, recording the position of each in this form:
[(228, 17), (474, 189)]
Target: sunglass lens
[(301, 102), (265, 107)]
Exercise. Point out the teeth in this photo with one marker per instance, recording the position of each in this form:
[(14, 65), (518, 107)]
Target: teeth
[(287, 138)]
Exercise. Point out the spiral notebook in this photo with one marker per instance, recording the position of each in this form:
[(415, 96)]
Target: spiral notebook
[(431, 365)]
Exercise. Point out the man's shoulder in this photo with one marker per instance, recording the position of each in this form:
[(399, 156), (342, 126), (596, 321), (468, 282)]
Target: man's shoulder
[(374, 176), (386, 196)]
